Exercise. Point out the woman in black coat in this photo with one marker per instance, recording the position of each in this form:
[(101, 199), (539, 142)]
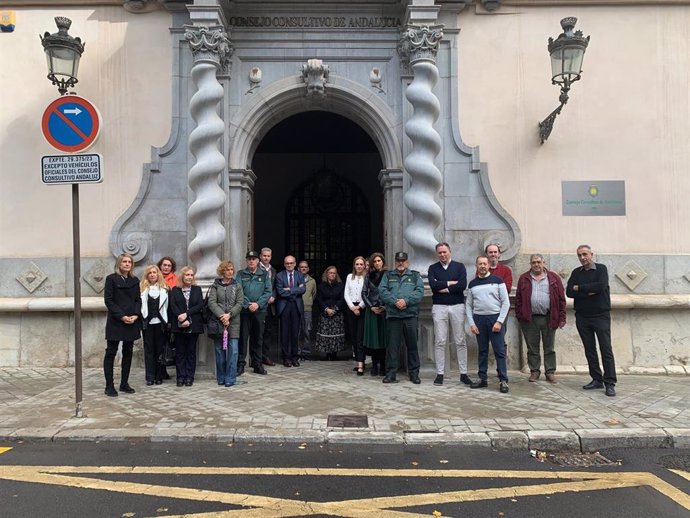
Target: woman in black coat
[(122, 298), (330, 332), (186, 302)]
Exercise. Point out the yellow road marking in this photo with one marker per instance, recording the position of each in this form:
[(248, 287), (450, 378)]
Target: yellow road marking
[(257, 506), (4, 449), (681, 473)]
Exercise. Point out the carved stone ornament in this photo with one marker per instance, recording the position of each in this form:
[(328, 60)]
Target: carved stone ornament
[(31, 277), (631, 274), (209, 44), (315, 76), (254, 79), (139, 6), (491, 5), (96, 275), (420, 43), (375, 78)]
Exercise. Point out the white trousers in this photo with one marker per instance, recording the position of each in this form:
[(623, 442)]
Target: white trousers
[(443, 317)]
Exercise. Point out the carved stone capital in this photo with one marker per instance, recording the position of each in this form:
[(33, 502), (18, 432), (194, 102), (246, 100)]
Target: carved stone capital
[(209, 44), (315, 76), (420, 43)]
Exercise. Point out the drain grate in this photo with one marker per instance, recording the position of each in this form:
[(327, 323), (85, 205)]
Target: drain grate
[(348, 421), (580, 460)]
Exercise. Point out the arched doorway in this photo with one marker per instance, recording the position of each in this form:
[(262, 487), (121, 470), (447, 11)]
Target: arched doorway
[(317, 193)]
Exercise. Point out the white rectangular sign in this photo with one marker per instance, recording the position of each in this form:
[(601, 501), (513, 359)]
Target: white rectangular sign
[(60, 169)]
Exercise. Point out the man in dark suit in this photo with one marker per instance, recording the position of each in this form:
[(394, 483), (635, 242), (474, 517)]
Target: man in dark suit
[(289, 288)]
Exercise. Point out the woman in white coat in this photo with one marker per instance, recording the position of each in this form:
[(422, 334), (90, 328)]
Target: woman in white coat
[(154, 314)]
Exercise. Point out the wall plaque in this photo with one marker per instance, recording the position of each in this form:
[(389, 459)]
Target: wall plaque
[(594, 198)]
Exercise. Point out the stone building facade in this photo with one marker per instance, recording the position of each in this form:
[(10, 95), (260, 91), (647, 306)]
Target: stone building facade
[(332, 129)]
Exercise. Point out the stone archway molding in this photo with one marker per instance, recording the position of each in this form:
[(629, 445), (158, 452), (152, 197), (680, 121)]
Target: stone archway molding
[(288, 97)]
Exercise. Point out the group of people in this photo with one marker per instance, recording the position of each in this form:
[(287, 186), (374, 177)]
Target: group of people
[(379, 307)]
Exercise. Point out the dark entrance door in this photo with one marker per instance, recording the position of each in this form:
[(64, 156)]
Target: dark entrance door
[(328, 222), (317, 195)]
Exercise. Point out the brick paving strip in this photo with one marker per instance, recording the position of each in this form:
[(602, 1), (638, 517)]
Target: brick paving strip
[(293, 405)]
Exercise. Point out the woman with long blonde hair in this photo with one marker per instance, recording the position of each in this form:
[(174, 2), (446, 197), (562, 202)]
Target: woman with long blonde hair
[(355, 314), (154, 317), (121, 297)]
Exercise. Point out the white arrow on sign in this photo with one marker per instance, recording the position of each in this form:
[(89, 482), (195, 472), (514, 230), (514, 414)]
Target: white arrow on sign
[(72, 111)]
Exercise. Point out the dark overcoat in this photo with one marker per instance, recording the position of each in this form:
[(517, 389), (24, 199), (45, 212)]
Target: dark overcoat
[(122, 298), (178, 305)]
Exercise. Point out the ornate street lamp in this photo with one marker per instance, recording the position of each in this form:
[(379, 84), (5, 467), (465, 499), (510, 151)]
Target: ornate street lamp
[(567, 52), (63, 53)]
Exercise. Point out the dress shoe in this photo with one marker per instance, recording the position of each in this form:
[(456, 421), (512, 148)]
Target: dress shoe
[(438, 380), (127, 389), (240, 370), (149, 383), (415, 379), (268, 361), (258, 369), (551, 378), (389, 379), (593, 385), (188, 383), (479, 384), (295, 363), (465, 379), (534, 376), (287, 364), (220, 383), (229, 384), (503, 387), (180, 383), (110, 391), (610, 390)]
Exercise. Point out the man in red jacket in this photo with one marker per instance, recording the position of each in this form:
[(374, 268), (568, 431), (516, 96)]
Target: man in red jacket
[(540, 309)]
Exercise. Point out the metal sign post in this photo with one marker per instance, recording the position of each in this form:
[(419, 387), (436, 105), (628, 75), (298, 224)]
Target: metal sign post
[(71, 124)]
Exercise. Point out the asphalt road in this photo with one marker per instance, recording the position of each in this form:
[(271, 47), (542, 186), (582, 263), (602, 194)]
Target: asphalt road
[(260, 480)]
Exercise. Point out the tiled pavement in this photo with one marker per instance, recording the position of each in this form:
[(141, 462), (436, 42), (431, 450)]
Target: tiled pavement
[(294, 404)]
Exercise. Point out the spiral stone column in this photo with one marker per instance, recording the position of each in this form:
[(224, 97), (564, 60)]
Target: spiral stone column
[(420, 44), (210, 48)]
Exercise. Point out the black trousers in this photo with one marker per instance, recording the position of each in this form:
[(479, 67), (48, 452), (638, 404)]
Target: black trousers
[(109, 362), (290, 322), (251, 337), (591, 329), (355, 327), (154, 341)]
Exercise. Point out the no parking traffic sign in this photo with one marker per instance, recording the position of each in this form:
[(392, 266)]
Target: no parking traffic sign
[(71, 124)]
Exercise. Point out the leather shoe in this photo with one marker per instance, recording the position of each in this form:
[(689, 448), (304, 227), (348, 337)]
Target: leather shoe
[(295, 363), (503, 387), (389, 379), (287, 364), (593, 385), (149, 383), (127, 389), (479, 384), (110, 391), (534, 376), (158, 382), (258, 369), (551, 378), (438, 380), (464, 378), (610, 391), (188, 383), (415, 379), (180, 383), (268, 361)]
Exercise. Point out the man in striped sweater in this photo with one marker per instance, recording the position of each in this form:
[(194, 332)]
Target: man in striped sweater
[(487, 308)]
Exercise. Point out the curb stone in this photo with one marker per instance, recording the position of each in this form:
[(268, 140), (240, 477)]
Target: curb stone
[(680, 437), (509, 440), (102, 434), (34, 434), (548, 440), (594, 440), (279, 435), (365, 437), (454, 438)]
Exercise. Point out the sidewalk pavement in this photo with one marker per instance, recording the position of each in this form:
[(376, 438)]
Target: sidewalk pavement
[(294, 405)]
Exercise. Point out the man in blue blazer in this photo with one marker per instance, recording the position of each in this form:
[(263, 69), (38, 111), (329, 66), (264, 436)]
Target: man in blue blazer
[(289, 288)]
